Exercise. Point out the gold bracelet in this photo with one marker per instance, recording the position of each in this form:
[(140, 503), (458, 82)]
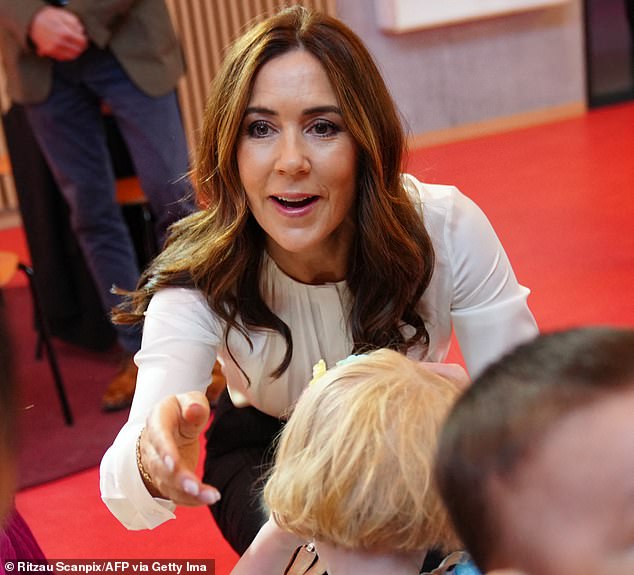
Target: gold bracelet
[(146, 476)]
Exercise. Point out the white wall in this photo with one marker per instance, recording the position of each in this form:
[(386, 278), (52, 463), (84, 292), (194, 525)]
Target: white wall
[(478, 71)]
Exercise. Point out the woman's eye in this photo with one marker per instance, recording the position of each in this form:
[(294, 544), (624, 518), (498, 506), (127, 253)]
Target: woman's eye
[(259, 129), (324, 128)]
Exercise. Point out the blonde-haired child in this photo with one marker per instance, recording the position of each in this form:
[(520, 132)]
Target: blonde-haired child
[(353, 470)]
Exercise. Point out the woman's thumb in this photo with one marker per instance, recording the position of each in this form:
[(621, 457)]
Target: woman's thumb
[(194, 414)]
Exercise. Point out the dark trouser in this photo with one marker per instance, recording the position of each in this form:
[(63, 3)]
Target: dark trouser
[(239, 451)]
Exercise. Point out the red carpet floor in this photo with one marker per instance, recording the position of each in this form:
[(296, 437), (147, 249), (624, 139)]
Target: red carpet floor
[(48, 449), (561, 199)]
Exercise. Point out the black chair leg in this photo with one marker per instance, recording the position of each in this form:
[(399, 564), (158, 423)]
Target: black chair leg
[(39, 345), (45, 340), (149, 239)]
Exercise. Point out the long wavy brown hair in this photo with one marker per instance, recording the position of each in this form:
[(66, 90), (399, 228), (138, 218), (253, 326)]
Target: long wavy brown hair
[(219, 249)]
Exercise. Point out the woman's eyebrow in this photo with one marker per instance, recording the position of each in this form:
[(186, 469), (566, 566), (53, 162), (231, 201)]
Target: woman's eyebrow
[(306, 112), (260, 110), (322, 110)]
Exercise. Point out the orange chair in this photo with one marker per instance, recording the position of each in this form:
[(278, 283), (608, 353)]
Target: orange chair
[(130, 197), (9, 266)]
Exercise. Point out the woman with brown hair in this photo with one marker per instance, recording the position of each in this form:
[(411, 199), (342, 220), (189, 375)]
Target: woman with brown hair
[(310, 244)]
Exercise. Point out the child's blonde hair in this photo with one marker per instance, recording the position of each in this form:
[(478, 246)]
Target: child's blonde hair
[(354, 465)]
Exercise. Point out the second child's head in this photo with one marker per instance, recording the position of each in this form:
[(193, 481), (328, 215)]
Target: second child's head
[(535, 460)]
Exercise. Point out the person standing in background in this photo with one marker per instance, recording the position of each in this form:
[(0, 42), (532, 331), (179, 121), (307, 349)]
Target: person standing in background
[(64, 61)]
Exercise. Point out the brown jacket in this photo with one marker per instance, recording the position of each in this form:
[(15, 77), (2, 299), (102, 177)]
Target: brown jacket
[(138, 32)]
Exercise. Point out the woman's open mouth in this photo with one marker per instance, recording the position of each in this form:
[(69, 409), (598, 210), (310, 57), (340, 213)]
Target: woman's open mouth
[(295, 203)]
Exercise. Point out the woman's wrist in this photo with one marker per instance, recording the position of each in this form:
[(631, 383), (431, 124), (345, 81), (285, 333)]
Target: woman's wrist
[(143, 472)]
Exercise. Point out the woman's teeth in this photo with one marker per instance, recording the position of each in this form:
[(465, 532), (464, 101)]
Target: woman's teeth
[(295, 202)]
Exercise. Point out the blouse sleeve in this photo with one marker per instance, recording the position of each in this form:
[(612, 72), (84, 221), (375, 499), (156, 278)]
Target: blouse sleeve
[(489, 310), (180, 338)]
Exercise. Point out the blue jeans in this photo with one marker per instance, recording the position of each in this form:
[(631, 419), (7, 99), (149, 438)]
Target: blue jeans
[(69, 128)]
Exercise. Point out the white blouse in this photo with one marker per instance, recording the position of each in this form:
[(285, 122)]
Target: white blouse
[(473, 289)]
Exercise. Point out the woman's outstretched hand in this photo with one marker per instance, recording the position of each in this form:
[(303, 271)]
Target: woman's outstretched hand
[(169, 448)]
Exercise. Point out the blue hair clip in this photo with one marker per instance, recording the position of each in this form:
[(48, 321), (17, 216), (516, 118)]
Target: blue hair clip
[(352, 358), (320, 367)]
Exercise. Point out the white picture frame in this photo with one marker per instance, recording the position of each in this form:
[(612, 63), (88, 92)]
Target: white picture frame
[(399, 16)]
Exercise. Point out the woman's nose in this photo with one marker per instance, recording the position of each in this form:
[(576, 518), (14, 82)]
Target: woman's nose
[(292, 156)]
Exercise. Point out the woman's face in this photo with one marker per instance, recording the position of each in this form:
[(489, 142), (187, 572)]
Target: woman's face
[(298, 165)]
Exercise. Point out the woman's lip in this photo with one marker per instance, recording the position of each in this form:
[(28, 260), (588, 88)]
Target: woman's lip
[(288, 209)]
